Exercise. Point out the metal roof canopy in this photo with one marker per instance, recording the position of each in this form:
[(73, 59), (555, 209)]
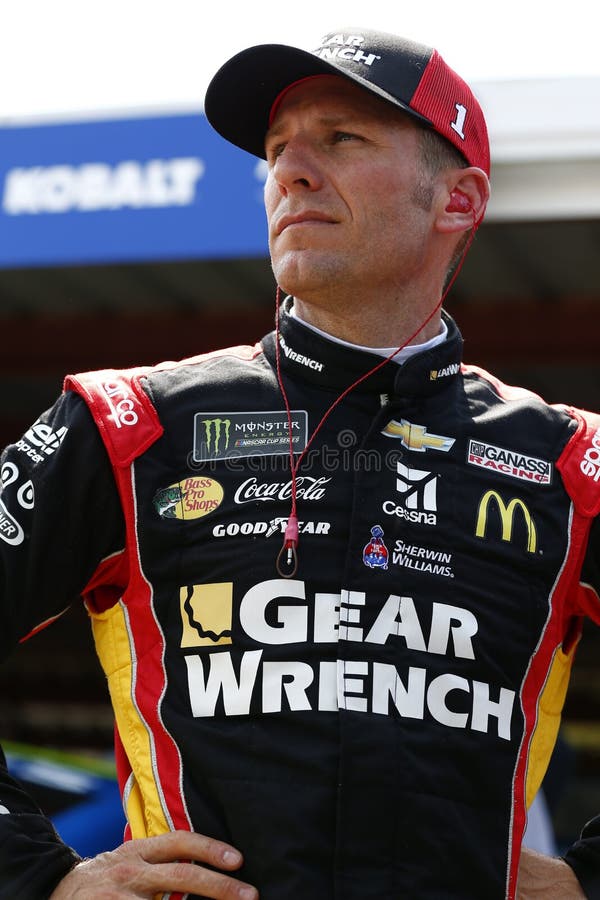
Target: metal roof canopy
[(545, 138)]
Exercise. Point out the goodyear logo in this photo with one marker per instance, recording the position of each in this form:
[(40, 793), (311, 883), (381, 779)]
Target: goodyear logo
[(191, 498), (416, 437), (506, 513)]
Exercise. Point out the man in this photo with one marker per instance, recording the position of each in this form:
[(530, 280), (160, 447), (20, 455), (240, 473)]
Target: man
[(367, 711)]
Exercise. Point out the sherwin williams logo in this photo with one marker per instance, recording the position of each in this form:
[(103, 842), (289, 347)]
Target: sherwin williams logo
[(230, 435), (416, 437), (206, 614), (506, 513), (192, 498)]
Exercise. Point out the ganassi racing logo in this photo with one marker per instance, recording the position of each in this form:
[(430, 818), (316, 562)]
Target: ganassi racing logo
[(509, 462)]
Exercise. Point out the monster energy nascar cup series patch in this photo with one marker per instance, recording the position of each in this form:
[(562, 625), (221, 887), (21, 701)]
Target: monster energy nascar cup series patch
[(228, 435)]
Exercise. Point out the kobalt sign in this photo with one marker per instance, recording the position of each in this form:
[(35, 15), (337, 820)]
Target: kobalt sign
[(97, 186)]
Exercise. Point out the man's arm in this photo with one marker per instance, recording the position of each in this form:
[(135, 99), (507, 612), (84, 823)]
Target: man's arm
[(32, 856), (59, 516)]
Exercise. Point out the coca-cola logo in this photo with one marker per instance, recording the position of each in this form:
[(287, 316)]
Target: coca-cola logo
[(307, 488)]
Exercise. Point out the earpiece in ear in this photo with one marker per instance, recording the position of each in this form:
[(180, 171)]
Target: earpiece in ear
[(459, 202)]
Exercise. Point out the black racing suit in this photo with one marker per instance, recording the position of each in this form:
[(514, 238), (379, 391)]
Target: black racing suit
[(375, 725)]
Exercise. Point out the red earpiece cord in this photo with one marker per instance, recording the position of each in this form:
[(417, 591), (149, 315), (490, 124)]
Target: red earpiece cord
[(290, 538)]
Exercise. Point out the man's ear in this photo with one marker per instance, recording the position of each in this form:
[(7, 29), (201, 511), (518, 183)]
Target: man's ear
[(463, 200)]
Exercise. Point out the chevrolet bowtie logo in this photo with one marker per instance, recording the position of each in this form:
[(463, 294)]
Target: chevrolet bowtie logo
[(415, 437)]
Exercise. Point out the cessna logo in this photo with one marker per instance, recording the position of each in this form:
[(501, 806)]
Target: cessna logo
[(418, 496), (215, 431), (506, 513), (415, 437)]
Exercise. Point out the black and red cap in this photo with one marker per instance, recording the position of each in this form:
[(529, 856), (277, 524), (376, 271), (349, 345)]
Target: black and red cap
[(412, 76)]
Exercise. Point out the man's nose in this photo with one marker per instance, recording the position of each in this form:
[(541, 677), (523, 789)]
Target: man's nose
[(297, 167)]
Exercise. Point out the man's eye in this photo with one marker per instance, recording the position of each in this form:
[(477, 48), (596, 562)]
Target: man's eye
[(275, 151), (345, 136)]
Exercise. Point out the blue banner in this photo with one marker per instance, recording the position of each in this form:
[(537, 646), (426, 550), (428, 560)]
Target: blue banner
[(127, 190)]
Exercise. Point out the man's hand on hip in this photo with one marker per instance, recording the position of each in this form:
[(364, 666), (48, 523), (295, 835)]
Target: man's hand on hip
[(149, 866), (546, 878)]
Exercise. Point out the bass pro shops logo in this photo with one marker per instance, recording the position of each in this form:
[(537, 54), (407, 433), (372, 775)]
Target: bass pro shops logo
[(191, 498), (506, 513)]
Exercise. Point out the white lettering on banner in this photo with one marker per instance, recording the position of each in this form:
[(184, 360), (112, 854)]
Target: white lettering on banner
[(418, 490), (97, 186), (121, 402), (44, 438), (509, 462), (8, 474), (299, 357), (399, 617), (292, 620), (25, 496), (590, 464), (346, 47), (277, 525), (357, 685), (307, 487), (459, 122), (278, 612), (422, 559), (10, 530)]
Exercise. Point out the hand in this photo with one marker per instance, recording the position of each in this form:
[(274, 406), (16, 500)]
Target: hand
[(546, 878), (146, 867)]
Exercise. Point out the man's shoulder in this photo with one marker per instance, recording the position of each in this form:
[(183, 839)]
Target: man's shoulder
[(579, 463), (500, 390), (124, 402), (567, 434)]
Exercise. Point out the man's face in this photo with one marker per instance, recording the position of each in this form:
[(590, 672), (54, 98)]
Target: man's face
[(347, 201)]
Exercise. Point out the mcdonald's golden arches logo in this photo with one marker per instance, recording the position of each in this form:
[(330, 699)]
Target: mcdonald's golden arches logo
[(506, 514)]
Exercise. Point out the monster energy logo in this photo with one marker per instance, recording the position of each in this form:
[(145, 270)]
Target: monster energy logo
[(229, 435), (215, 429)]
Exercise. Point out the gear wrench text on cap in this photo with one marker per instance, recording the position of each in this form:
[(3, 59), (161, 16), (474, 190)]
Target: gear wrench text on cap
[(412, 76)]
